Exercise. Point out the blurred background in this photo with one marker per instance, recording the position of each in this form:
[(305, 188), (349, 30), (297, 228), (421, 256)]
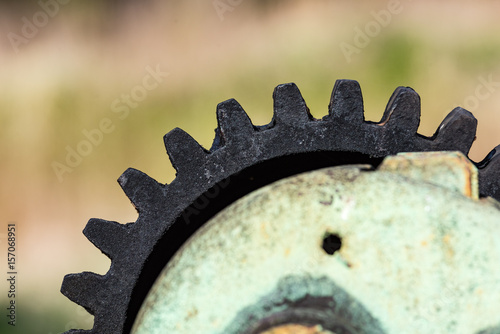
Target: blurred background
[(79, 103)]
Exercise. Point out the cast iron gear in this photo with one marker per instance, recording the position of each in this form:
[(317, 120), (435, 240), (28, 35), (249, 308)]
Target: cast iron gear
[(243, 158)]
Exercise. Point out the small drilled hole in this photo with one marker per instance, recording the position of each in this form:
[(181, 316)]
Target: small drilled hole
[(331, 243)]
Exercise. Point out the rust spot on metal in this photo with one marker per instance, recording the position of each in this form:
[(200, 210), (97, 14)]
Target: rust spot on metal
[(191, 314), (329, 202), (447, 244), (263, 230), (287, 251)]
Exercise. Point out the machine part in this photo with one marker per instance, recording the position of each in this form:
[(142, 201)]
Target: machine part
[(451, 170), (244, 158), (428, 263)]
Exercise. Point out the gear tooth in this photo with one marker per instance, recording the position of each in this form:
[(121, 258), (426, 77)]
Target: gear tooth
[(403, 110), (184, 152), (233, 121), (78, 331), (83, 289), (141, 189), (106, 235), (289, 105), (346, 102), (489, 174), (457, 130)]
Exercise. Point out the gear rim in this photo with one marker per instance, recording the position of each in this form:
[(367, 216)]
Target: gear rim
[(240, 150)]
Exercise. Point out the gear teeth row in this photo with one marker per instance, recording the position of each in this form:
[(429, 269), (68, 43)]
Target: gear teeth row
[(239, 145), (184, 151), (108, 236), (84, 289)]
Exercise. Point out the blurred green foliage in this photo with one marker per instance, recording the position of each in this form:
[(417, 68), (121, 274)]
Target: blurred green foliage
[(33, 319)]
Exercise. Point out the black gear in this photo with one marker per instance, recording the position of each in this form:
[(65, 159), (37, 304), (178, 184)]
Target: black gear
[(243, 158)]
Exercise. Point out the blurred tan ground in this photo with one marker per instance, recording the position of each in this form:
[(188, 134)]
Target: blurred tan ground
[(65, 79)]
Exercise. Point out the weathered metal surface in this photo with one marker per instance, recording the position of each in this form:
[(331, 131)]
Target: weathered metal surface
[(414, 257), (245, 157), (450, 170)]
